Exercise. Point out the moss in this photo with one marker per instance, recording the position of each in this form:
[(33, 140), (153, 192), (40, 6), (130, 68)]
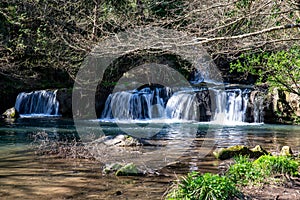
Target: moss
[(129, 170), (11, 113), (112, 168), (230, 152), (286, 151)]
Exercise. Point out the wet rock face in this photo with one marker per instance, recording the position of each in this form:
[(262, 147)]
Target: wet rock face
[(64, 97), (273, 106), (284, 105), (11, 113), (204, 103)]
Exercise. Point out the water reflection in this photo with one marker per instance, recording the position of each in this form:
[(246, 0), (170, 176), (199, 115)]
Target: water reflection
[(181, 135)]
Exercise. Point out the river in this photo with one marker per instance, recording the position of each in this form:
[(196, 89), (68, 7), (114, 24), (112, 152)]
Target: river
[(188, 145)]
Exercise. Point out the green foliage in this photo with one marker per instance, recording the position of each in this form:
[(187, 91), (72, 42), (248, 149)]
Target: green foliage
[(244, 172), (206, 186), (277, 164), (279, 69)]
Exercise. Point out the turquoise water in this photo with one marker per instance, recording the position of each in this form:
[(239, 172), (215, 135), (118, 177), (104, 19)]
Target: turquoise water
[(182, 146), (20, 132)]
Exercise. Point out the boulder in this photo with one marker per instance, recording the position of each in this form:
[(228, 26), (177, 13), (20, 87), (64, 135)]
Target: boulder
[(258, 151), (129, 169), (121, 141), (111, 168), (118, 169), (286, 151), (230, 152), (64, 97), (11, 113)]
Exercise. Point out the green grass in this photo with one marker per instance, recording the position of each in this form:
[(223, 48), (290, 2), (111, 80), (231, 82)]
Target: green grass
[(244, 172), (271, 165), (206, 186)]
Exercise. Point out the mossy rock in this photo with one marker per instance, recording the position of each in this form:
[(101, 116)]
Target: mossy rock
[(129, 169), (11, 113), (258, 151), (110, 168), (286, 151), (230, 152)]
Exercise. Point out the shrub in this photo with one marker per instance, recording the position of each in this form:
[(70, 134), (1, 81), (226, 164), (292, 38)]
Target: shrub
[(244, 172), (277, 164), (207, 186)]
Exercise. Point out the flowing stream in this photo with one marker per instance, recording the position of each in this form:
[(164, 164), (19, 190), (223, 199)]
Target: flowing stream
[(185, 124)]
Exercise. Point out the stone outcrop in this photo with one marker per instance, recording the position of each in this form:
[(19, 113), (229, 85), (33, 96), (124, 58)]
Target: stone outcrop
[(11, 113), (284, 105), (286, 151), (273, 106), (118, 169), (64, 97), (239, 150)]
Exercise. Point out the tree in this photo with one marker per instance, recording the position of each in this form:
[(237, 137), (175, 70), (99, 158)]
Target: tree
[(280, 69), (59, 33)]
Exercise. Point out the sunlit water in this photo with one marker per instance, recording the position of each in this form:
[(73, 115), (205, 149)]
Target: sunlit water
[(181, 146)]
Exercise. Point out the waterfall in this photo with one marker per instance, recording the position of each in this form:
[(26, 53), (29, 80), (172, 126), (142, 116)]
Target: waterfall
[(189, 106), (231, 105), (41, 102), (146, 103), (183, 106), (204, 104)]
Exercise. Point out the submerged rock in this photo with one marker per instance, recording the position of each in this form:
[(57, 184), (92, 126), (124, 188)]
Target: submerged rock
[(286, 151), (230, 152), (129, 169), (111, 168), (118, 169), (11, 113), (123, 141)]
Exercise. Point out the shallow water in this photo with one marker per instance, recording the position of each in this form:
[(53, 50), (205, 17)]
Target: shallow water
[(181, 146)]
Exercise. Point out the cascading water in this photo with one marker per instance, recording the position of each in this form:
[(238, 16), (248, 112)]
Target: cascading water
[(41, 102), (230, 105), (146, 103), (183, 106)]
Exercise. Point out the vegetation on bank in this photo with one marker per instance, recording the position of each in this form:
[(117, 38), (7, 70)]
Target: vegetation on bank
[(44, 42), (280, 69), (264, 170), (38, 35)]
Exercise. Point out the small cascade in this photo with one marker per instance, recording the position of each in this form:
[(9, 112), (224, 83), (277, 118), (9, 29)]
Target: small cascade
[(201, 104), (183, 106), (231, 105), (146, 103), (41, 102), (189, 106)]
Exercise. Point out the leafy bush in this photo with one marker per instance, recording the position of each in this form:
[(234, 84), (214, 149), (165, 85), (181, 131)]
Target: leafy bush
[(244, 172), (277, 164), (206, 186), (279, 69)]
